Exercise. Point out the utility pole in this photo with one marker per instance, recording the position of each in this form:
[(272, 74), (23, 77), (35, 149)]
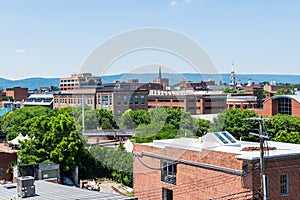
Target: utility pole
[(83, 102), (262, 136)]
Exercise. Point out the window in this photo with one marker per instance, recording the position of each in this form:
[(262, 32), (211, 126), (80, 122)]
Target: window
[(104, 102), (167, 194), (136, 100), (284, 183), (110, 100), (118, 100), (143, 100), (1, 171), (231, 139), (284, 106), (125, 99), (130, 100), (221, 138), (168, 172), (99, 99)]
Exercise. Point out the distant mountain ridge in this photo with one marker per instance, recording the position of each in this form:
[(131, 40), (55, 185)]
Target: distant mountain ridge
[(34, 83)]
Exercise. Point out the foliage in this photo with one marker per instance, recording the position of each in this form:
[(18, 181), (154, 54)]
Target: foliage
[(229, 90), (284, 92), (284, 128), (117, 163), (235, 121), (133, 118), (20, 120), (169, 123), (106, 119)]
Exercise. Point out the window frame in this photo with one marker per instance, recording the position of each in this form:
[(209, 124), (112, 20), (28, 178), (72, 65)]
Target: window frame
[(284, 184)]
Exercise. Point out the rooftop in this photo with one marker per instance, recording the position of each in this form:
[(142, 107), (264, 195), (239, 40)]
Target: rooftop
[(225, 142), (52, 191)]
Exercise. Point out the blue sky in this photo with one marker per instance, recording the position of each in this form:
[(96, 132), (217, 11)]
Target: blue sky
[(53, 38)]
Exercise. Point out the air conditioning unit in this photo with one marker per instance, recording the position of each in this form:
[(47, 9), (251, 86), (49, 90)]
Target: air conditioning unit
[(25, 186)]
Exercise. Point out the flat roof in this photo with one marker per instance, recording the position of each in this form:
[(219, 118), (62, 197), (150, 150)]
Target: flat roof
[(53, 191), (202, 143)]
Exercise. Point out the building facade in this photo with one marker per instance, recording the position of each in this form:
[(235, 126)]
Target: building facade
[(197, 103), (241, 101), (216, 166), (281, 104), (17, 93), (79, 81), (110, 97)]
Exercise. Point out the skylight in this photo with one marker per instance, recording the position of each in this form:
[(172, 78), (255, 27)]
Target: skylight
[(229, 137)]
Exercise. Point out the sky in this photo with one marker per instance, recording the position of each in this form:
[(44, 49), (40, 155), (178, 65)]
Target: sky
[(53, 38)]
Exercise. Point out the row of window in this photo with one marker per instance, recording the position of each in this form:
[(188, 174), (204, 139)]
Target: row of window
[(132, 100), (73, 101)]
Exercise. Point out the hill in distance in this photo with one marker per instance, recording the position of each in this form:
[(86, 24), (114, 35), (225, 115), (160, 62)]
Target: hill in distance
[(35, 83)]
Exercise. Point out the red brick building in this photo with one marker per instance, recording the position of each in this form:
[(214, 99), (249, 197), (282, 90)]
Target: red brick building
[(272, 89), (194, 102), (215, 166), (6, 159), (281, 104), (17, 93)]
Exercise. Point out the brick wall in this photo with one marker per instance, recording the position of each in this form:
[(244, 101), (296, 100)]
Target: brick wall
[(191, 182), (5, 160)]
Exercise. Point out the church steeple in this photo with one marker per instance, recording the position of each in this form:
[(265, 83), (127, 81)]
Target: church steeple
[(232, 77), (159, 72)]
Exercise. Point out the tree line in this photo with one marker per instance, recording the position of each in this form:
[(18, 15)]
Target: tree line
[(55, 135)]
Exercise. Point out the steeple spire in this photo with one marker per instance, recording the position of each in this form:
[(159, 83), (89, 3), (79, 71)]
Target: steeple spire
[(232, 78), (159, 73)]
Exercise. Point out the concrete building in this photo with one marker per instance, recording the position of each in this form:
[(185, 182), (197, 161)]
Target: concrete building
[(79, 81), (241, 101), (195, 102), (39, 100), (17, 93), (216, 166), (114, 97), (74, 98), (281, 104)]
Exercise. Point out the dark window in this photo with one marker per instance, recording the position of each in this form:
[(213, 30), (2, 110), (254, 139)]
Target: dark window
[(99, 99), (136, 100), (1, 171), (118, 100), (284, 106), (130, 100), (284, 184), (125, 100), (167, 194), (110, 100), (168, 172), (142, 100)]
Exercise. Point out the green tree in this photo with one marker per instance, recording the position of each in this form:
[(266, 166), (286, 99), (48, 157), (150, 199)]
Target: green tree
[(19, 120), (106, 119), (235, 121), (284, 92), (117, 163)]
